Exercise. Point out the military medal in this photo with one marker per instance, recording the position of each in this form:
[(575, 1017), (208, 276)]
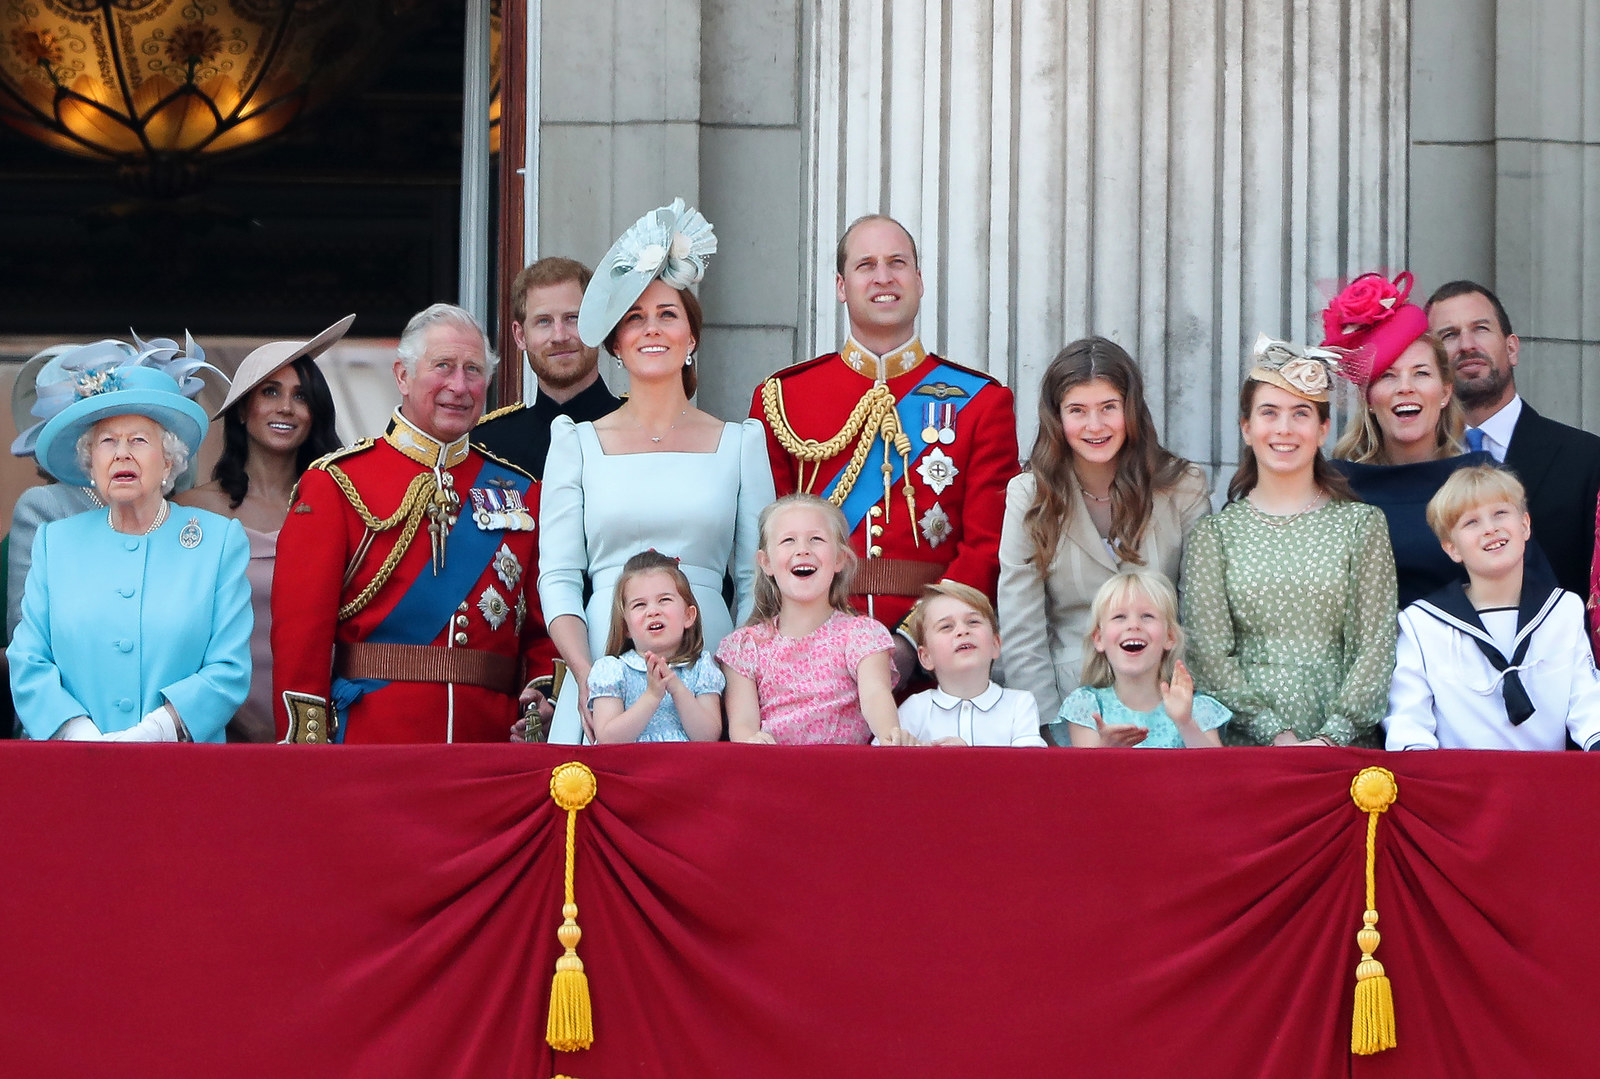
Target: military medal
[(497, 510), (191, 535), (937, 470), (506, 566), (494, 607), (936, 525), (939, 422)]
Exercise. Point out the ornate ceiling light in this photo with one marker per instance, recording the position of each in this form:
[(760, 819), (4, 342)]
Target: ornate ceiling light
[(158, 85)]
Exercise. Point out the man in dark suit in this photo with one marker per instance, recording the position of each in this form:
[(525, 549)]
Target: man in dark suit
[(1559, 465), (544, 321)]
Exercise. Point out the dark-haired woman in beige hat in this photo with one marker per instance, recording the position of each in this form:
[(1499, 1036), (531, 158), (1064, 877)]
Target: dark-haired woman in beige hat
[(277, 419)]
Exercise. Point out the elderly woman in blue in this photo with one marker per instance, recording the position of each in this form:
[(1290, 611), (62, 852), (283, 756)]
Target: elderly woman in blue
[(135, 620)]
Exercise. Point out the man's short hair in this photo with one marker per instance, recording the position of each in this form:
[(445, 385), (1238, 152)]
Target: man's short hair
[(839, 253), (553, 270), (413, 337), (1451, 289), (955, 590), (1469, 488)]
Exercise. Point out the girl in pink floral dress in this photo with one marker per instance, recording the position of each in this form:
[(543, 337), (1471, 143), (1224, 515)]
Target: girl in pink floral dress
[(806, 669)]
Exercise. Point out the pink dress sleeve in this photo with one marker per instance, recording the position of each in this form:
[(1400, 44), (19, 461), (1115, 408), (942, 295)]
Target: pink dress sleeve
[(738, 652)]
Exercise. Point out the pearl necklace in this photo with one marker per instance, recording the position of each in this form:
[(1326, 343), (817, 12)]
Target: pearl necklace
[(161, 518)]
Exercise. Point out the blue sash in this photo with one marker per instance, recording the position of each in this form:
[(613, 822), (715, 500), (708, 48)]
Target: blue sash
[(869, 488), (429, 601)]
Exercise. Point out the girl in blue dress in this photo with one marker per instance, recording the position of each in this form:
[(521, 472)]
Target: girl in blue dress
[(656, 682), (1136, 690)]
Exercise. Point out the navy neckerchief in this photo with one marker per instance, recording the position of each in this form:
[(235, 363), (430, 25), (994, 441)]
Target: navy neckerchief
[(1539, 597)]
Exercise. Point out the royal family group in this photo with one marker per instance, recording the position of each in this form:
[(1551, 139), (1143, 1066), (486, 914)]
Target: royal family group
[(865, 560)]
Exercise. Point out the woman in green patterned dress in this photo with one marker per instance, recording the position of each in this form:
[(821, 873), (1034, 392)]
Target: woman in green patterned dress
[(1289, 591)]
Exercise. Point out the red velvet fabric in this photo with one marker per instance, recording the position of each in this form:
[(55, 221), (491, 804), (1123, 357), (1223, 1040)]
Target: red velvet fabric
[(747, 911)]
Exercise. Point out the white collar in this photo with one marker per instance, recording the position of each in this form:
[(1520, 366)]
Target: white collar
[(982, 702), (1500, 426)]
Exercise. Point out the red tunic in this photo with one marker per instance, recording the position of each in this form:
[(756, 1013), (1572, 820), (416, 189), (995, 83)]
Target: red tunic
[(319, 540), (818, 397)]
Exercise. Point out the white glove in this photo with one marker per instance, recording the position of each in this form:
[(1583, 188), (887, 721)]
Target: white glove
[(78, 729), (155, 727)]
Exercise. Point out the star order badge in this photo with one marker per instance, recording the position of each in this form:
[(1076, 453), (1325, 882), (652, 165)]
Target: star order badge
[(507, 567), (936, 525), (494, 607), (937, 470)]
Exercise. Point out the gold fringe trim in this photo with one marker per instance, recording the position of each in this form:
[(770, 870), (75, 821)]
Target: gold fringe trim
[(1373, 790), (571, 1021)]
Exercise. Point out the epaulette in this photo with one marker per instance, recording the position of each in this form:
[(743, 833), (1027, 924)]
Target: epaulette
[(803, 365), (503, 463), (321, 463), (986, 376), (504, 410), (360, 445)]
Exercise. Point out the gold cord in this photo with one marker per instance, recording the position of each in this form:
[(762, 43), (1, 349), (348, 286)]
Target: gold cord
[(874, 417), (413, 507)]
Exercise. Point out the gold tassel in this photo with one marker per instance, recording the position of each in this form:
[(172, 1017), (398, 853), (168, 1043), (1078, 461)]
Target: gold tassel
[(571, 1023), (1372, 1025)]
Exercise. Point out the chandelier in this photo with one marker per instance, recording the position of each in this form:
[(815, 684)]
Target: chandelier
[(156, 86)]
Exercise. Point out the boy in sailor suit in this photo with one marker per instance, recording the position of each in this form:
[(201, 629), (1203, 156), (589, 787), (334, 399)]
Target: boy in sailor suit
[(1501, 662)]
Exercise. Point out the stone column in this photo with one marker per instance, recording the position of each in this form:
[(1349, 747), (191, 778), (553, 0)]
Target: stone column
[(1174, 175)]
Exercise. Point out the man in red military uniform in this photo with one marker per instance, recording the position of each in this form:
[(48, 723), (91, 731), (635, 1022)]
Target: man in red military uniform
[(915, 449), (404, 607)]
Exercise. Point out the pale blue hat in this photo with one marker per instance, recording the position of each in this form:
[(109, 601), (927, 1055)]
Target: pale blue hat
[(671, 243), (154, 379)]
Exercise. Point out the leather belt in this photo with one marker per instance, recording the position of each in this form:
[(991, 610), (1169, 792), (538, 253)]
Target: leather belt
[(428, 663), (895, 576)]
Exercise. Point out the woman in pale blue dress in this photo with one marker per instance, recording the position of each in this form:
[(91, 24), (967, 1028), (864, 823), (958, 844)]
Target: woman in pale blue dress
[(657, 473)]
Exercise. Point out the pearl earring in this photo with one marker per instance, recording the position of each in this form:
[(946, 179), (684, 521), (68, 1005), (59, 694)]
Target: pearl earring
[(688, 361)]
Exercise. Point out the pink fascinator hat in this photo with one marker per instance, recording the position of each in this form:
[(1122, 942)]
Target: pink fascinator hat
[(1369, 323)]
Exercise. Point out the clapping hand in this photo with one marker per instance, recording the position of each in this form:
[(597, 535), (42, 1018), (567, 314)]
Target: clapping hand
[(1121, 735), (1177, 696)]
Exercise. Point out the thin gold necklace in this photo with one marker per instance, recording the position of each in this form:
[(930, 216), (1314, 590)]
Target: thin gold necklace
[(1280, 519), (657, 438)]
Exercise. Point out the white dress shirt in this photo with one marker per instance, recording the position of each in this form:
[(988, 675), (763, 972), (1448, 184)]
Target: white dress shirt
[(1497, 428)]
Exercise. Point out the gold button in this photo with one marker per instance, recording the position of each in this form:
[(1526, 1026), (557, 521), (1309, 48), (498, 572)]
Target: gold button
[(877, 530), (461, 638), (314, 712), (463, 606), (312, 725), (461, 620), (875, 551), (876, 511)]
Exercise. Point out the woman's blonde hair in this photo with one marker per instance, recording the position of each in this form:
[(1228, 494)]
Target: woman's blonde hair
[(1144, 583), (768, 601), (1362, 440), (618, 641)]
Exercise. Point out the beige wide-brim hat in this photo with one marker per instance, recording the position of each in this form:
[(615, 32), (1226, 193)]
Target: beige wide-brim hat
[(260, 364)]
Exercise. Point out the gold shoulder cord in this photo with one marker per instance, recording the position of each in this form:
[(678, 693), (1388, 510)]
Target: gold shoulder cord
[(873, 417), (413, 507)]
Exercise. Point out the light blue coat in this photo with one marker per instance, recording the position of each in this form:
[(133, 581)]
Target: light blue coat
[(113, 624)]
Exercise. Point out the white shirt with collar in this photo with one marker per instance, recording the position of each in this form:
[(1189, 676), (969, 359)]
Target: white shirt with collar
[(995, 717), (1497, 429)]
